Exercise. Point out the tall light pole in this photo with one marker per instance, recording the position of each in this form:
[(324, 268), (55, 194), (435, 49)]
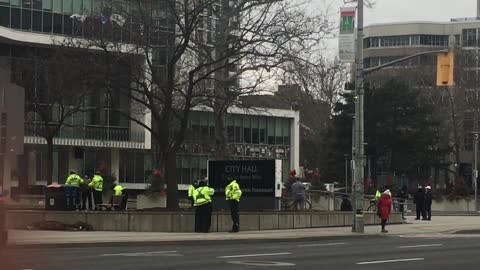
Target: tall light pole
[(359, 159), (475, 168)]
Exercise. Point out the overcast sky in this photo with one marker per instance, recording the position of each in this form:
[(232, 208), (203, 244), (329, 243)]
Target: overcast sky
[(385, 11)]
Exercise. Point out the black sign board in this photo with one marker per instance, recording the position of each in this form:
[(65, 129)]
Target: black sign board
[(255, 177)]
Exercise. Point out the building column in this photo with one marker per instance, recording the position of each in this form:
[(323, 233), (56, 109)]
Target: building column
[(115, 166), (32, 167), (295, 142)]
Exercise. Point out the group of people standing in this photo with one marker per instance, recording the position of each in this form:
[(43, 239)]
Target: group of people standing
[(79, 191), (423, 203), (201, 198)]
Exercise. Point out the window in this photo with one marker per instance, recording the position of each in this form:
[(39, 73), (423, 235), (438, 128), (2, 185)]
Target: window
[(67, 6), (271, 130), (47, 22), (15, 19), (26, 19), (47, 4), (37, 21), (4, 16), (469, 37)]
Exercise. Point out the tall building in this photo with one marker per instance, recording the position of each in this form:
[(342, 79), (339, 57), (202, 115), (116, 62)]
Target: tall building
[(99, 136), (384, 43)]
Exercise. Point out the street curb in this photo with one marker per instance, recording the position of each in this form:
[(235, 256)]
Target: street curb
[(192, 242)]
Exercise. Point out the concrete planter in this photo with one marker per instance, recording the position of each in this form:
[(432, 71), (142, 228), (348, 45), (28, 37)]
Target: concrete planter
[(183, 221), (461, 205), (144, 201)]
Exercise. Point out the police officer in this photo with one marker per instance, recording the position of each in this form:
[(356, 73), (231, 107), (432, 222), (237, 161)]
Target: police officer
[(233, 193), (72, 190), (203, 207), (97, 186)]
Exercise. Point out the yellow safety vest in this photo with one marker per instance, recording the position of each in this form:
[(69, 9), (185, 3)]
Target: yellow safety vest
[(202, 195), (191, 189), (97, 183), (118, 190), (74, 180), (233, 191)]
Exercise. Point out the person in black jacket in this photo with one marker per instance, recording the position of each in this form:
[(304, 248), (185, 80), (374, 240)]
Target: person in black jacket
[(402, 197), (420, 203), (346, 204), (428, 203)]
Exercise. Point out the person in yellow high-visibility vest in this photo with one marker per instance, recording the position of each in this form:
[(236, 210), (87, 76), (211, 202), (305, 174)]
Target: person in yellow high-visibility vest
[(233, 193), (203, 206), (97, 185), (118, 190), (72, 191)]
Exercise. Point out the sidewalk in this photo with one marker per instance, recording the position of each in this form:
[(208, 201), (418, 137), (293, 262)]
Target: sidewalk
[(439, 225)]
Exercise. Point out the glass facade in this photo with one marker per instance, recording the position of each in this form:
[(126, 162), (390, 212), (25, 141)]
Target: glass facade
[(470, 37), (417, 61), (406, 40), (249, 137), (93, 121), (54, 17)]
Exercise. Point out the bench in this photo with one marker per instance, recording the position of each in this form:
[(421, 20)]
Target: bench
[(116, 203)]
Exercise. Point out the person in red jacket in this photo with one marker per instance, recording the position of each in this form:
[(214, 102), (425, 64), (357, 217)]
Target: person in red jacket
[(384, 207)]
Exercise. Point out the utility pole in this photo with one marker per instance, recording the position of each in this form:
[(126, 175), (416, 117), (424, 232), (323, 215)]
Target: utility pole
[(359, 160), (475, 168)]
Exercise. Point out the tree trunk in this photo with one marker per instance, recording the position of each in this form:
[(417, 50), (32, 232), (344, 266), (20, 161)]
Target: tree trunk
[(220, 136), (170, 159), (49, 161)]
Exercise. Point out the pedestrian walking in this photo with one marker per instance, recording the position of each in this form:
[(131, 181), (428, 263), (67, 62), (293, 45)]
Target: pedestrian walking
[(298, 190), (428, 203), (203, 206), (97, 188), (233, 193), (86, 192), (384, 207), (420, 203), (72, 185), (402, 196)]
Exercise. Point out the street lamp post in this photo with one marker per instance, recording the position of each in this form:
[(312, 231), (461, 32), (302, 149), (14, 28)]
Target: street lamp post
[(475, 169), (358, 157), (346, 172)]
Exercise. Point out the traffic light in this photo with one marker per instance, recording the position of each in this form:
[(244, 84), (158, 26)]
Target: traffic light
[(445, 63)]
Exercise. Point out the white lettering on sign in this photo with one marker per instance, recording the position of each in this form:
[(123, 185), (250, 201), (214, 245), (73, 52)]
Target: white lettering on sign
[(241, 169)]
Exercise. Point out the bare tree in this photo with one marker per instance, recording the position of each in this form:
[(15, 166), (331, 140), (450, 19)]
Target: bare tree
[(180, 54), (56, 85)]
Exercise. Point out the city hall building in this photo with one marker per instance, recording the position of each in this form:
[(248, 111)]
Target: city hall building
[(104, 138)]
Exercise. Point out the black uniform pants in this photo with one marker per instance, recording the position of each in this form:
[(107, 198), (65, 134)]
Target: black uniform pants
[(87, 196), (233, 204), (420, 209), (97, 197), (428, 211), (203, 218)]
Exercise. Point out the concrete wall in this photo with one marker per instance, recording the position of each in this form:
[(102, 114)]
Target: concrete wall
[(452, 206), (183, 221)]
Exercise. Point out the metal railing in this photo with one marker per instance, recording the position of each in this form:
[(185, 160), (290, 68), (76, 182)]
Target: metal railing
[(89, 132)]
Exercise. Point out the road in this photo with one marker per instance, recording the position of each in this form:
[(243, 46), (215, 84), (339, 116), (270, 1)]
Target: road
[(391, 252)]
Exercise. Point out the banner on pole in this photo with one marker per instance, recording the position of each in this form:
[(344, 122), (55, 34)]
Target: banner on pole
[(346, 39)]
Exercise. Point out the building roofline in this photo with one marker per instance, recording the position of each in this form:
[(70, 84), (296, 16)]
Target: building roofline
[(424, 22), (19, 36), (253, 111)]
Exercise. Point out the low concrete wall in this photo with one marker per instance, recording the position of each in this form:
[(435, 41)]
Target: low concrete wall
[(461, 205), (183, 221)]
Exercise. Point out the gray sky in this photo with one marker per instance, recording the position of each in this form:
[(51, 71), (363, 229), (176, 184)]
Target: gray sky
[(385, 11)]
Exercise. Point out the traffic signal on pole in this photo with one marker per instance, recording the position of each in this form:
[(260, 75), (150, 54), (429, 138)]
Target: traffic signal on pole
[(445, 62)]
